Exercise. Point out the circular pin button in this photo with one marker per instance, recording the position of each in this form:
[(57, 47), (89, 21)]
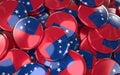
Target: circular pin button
[(33, 69), (54, 45), (64, 20), (57, 4), (71, 64), (4, 43), (111, 30), (92, 2), (32, 5), (9, 17), (109, 65), (13, 61), (100, 44), (93, 17), (27, 33)]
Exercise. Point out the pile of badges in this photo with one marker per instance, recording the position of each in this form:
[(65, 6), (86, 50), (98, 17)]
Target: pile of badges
[(59, 37)]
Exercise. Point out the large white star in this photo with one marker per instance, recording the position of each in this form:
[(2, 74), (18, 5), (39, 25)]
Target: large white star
[(16, 11), (59, 41), (58, 69)]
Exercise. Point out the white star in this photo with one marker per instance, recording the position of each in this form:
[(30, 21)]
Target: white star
[(114, 70), (25, 65), (60, 51), (8, 74), (35, 68), (3, 73), (28, 21), (31, 63), (100, 11), (43, 21), (50, 66), (85, 3), (19, 1), (32, 57), (19, 16), (21, 27), (23, 2), (25, 24), (41, 18), (71, 42), (77, 51), (58, 69), (102, 18), (28, 3), (82, 55), (25, 11), (66, 51), (68, 44), (26, 73), (31, 71), (70, 11), (59, 41), (60, 46), (75, 39), (67, 31), (16, 11), (58, 64)]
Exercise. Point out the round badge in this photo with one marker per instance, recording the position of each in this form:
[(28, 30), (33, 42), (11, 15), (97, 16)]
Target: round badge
[(71, 64), (106, 67), (100, 44), (4, 43), (92, 2), (9, 17), (111, 30), (13, 61), (64, 20), (89, 58), (33, 69), (28, 33), (93, 17), (32, 5), (54, 45), (57, 4)]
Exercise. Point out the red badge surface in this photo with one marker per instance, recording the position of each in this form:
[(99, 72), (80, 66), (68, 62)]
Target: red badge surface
[(28, 33), (57, 4)]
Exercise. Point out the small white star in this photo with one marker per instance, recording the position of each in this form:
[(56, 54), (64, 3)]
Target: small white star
[(58, 69), (102, 18), (19, 1), (35, 68), (60, 51), (58, 64), (28, 3), (25, 11), (100, 11), (25, 24), (16, 11), (3, 73), (31, 71), (31, 63), (60, 46), (70, 11), (23, 2), (28, 21), (21, 27), (85, 3), (75, 39), (43, 21), (77, 51), (68, 44), (59, 41), (66, 51), (19, 16), (114, 70), (41, 18), (32, 57), (8, 74), (71, 42), (82, 55), (50, 66), (67, 31), (26, 73), (25, 65)]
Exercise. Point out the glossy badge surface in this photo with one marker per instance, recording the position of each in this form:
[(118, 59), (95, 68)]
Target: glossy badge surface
[(28, 33)]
